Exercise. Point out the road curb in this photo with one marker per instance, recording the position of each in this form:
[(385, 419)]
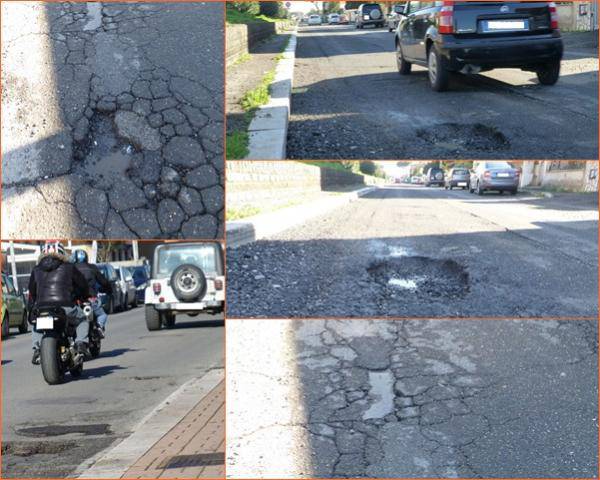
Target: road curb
[(117, 459), (268, 130), (241, 232)]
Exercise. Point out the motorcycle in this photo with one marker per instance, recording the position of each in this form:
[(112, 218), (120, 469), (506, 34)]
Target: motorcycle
[(57, 349)]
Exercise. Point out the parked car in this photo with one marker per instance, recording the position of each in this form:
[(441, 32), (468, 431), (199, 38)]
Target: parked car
[(128, 292), (497, 176), (333, 19), (113, 301), (472, 37), (141, 277), (393, 19), (315, 20), (14, 309), (186, 278), (344, 19), (416, 180), (458, 177), (434, 176), (369, 14)]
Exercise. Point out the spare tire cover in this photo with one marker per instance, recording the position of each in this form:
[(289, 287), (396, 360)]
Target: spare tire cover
[(188, 283), (375, 14)]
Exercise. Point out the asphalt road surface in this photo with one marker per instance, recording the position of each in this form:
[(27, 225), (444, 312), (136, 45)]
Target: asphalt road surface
[(410, 399), (350, 102), (48, 431), (408, 251), (117, 132)]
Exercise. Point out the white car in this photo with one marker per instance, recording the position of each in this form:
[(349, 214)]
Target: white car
[(333, 19), (315, 20), (187, 278)]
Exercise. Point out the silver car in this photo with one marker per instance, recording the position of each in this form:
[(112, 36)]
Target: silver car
[(497, 176)]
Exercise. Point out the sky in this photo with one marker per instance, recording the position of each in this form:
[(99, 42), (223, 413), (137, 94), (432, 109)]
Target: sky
[(304, 7)]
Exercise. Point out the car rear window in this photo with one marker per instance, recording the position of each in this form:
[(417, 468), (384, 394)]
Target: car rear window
[(370, 8), (202, 256), (460, 172), (497, 165)]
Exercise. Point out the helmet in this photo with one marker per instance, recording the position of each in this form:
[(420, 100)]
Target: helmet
[(80, 256), (53, 246)]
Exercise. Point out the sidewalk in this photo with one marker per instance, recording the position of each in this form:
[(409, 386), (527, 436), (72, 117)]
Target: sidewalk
[(194, 448)]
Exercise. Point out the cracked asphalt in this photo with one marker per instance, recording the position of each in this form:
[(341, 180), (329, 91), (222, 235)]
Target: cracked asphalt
[(412, 251), (350, 102), (418, 398), (50, 431), (113, 120)]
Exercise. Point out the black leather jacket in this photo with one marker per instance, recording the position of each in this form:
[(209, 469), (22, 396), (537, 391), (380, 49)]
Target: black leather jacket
[(56, 283), (93, 276)]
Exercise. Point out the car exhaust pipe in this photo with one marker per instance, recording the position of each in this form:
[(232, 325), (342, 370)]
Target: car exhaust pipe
[(470, 69)]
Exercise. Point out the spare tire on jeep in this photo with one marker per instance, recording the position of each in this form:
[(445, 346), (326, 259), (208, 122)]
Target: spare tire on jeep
[(188, 283)]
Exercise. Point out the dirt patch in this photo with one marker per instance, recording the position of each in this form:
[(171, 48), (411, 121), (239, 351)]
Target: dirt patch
[(421, 276), (473, 137)]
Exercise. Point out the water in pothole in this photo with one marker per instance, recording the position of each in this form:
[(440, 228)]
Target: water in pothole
[(422, 276), (106, 157), (382, 393)]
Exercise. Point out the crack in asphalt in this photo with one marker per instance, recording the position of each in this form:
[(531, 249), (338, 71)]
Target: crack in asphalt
[(166, 177)]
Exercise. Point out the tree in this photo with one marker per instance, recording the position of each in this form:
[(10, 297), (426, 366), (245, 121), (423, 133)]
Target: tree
[(249, 7), (332, 7), (353, 5), (270, 9), (368, 167)]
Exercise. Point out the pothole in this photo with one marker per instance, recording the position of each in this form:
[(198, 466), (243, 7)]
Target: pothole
[(58, 430), (27, 449), (105, 157), (421, 276), (453, 136)]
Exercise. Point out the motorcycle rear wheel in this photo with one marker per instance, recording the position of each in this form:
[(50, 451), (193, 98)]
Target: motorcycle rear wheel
[(52, 367)]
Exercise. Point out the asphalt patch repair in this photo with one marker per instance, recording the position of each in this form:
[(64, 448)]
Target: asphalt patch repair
[(472, 137), (422, 276), (58, 430), (27, 449)]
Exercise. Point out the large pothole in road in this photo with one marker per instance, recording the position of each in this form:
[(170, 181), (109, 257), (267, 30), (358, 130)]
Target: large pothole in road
[(421, 276), (455, 136), (57, 430)]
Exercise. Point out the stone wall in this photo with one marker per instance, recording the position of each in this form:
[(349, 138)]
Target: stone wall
[(577, 16)]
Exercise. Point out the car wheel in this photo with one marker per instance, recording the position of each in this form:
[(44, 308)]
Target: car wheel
[(111, 305), (471, 190), (135, 301), (513, 192), (152, 318), (549, 74), (168, 320), (188, 282), (5, 326), (439, 77), (479, 190), (24, 327), (404, 67), (125, 303)]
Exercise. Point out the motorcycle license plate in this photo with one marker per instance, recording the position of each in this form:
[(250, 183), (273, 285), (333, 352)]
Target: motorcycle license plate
[(44, 323)]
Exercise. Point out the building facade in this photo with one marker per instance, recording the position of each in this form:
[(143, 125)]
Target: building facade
[(568, 175)]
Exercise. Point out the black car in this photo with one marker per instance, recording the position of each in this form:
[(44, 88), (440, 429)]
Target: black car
[(472, 37), (141, 277), (434, 176), (370, 14), (113, 301)]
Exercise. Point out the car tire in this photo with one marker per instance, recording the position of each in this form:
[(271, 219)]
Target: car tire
[(549, 74), (404, 67), (111, 305), (135, 301), (125, 303), (168, 320), (471, 190), (479, 190), (188, 282), (439, 76), (152, 318), (24, 327), (513, 192), (5, 326)]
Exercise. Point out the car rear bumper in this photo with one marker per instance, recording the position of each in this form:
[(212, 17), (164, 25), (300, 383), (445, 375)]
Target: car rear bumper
[(500, 53), (500, 184), (189, 306)]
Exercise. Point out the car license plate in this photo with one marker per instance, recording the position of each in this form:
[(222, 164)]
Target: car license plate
[(495, 25), (503, 175), (44, 323), (462, 184)]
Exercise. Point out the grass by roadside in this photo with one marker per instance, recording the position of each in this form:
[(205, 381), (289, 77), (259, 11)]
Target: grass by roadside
[(235, 16)]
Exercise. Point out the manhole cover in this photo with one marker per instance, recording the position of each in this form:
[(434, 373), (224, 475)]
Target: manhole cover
[(26, 449), (57, 430), (421, 276), (198, 460), (455, 136)]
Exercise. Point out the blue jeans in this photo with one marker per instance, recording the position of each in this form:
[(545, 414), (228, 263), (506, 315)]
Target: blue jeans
[(101, 315), (76, 316)]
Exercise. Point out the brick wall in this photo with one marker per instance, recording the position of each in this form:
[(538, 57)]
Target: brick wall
[(280, 182), (242, 38)]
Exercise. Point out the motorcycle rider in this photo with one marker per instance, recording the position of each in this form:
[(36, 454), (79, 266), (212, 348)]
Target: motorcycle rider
[(55, 282), (94, 277)]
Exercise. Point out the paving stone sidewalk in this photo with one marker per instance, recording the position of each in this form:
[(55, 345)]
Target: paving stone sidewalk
[(194, 448)]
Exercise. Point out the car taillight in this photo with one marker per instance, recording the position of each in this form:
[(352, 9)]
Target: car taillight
[(156, 288), (487, 174), (446, 18), (553, 16), (218, 284)]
